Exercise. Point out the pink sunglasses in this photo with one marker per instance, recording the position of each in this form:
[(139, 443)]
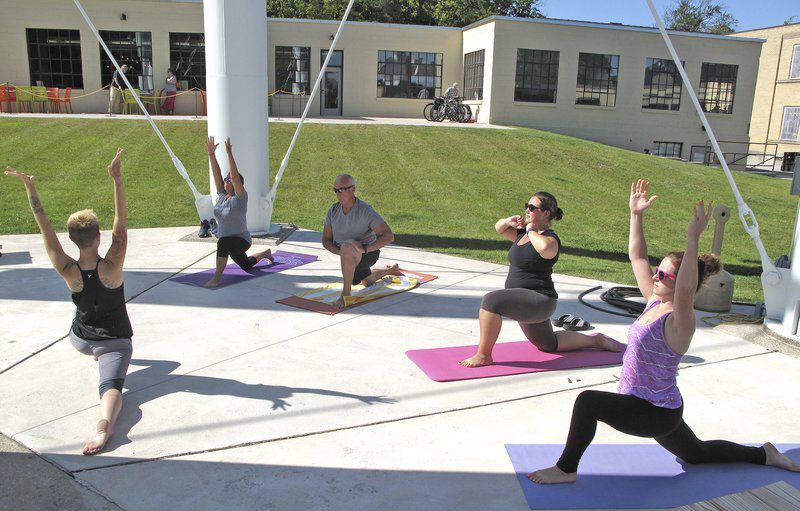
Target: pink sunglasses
[(660, 275)]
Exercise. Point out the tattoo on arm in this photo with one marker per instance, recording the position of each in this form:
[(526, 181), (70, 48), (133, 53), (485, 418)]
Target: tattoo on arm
[(36, 205)]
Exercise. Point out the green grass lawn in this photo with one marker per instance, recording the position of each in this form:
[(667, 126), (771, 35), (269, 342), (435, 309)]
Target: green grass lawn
[(440, 189)]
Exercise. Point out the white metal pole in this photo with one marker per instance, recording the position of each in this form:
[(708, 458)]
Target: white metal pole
[(236, 80)]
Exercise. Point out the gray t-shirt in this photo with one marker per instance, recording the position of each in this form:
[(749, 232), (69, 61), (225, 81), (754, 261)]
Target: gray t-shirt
[(231, 215), (357, 224)]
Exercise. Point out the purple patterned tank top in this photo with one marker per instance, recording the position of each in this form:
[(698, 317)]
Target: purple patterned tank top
[(649, 366)]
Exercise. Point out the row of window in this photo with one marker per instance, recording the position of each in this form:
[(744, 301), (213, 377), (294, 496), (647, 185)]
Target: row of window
[(55, 60), (536, 81), (55, 57)]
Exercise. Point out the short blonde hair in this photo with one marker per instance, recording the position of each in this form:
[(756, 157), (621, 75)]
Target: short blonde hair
[(83, 227)]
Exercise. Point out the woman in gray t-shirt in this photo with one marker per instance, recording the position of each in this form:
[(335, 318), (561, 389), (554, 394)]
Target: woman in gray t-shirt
[(230, 211)]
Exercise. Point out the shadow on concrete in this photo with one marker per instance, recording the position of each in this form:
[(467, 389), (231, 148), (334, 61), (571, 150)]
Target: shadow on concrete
[(196, 485), (156, 380), (9, 258)]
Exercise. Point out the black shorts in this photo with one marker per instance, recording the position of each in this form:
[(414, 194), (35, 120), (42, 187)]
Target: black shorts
[(236, 248), (363, 270)]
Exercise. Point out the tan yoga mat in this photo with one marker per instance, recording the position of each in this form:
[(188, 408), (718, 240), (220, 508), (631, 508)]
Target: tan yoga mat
[(321, 299)]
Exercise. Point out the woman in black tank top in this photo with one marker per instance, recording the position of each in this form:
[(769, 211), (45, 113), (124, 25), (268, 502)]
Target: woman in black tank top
[(529, 296), (101, 327)]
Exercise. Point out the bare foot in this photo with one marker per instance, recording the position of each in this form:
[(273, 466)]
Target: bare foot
[(776, 459), (477, 360), (375, 276), (552, 475), (604, 342), (267, 254), (213, 282), (339, 304), (98, 441), (393, 270)]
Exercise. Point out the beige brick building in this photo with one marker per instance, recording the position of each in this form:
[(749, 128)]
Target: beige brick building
[(610, 83), (776, 109)]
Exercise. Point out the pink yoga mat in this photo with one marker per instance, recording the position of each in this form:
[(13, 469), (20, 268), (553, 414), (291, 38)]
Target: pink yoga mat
[(442, 364)]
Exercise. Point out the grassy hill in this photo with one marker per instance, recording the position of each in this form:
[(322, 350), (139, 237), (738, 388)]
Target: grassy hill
[(440, 189)]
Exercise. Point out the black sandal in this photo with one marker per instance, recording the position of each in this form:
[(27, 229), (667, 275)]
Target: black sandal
[(561, 320), (577, 324)]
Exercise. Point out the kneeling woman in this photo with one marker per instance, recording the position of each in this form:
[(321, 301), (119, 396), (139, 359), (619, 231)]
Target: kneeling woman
[(530, 296), (230, 211), (648, 402), (100, 327)]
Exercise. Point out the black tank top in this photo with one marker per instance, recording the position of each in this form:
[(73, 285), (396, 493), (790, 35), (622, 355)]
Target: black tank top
[(528, 269), (101, 314)]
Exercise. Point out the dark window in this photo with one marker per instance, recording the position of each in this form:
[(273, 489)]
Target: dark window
[(662, 85), (473, 75), (54, 57), (668, 149), (790, 125), (409, 74), (292, 69), (597, 79), (537, 76), (794, 70), (717, 86), (187, 56), (132, 48)]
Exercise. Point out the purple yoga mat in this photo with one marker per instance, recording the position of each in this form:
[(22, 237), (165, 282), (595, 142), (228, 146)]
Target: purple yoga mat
[(441, 364), (233, 274), (647, 476)]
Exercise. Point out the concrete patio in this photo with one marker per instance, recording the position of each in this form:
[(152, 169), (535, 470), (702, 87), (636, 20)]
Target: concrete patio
[(234, 401)]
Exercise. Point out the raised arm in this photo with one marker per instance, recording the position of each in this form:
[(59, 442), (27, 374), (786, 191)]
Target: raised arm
[(63, 264), (115, 257), (215, 170), (637, 248), (546, 246), (681, 324), (238, 187), (507, 227)]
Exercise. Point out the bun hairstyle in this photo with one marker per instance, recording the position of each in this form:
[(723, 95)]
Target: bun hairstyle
[(707, 265), (549, 203)]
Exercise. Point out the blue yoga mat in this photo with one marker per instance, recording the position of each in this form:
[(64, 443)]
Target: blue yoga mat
[(639, 477)]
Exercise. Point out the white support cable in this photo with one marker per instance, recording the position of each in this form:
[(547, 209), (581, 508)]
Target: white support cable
[(175, 161), (285, 161), (746, 215)]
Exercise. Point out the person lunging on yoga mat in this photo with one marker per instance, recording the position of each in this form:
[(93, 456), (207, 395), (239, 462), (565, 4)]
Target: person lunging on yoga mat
[(530, 297), (230, 211), (101, 327), (648, 402), (356, 233)]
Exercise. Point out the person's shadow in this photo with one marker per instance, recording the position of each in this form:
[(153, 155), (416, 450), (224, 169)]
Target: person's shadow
[(160, 371)]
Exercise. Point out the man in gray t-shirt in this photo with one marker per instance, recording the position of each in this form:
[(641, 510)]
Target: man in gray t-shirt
[(356, 233)]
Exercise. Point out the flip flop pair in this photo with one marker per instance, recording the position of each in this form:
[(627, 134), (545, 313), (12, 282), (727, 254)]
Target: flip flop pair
[(570, 322)]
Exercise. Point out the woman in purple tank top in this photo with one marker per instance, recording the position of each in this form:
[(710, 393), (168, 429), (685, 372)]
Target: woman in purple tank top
[(648, 402)]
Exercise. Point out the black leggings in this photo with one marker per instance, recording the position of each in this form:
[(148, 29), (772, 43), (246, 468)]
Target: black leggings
[(638, 417), (236, 248), (530, 308)]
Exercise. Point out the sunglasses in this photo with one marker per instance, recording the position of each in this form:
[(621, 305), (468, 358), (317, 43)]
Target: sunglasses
[(532, 207), (661, 275), (343, 189), (228, 180)]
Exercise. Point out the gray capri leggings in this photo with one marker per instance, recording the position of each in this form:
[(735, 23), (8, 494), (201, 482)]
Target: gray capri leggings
[(530, 308), (113, 356)]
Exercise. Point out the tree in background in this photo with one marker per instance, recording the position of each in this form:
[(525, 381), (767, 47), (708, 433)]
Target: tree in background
[(451, 13), (791, 20), (700, 16)]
